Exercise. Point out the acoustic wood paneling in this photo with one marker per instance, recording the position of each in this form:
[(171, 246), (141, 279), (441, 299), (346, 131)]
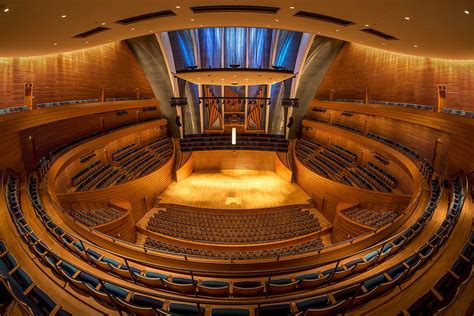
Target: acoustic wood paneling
[(14, 125), (73, 76), (418, 130), (399, 78), (230, 159)]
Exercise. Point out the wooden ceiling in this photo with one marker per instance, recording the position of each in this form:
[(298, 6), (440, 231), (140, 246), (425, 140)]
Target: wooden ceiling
[(435, 28)]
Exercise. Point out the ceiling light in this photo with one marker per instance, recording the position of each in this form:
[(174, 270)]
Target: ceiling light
[(192, 20), (466, 11), (319, 32), (6, 10), (407, 18), (103, 23), (384, 44), (55, 44), (276, 20), (415, 46), (151, 31), (64, 16), (178, 7), (201, 25), (222, 79), (132, 29), (292, 8), (367, 25), (337, 30), (87, 42)]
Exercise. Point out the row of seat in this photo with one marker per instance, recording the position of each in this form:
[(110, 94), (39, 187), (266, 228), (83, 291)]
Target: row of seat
[(222, 141), (236, 228), (310, 246), (339, 164), (98, 216), (129, 162), (372, 218)]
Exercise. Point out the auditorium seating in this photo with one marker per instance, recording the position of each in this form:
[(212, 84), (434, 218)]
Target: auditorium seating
[(95, 217), (339, 164), (128, 162), (372, 218), (219, 226), (312, 246), (222, 141)]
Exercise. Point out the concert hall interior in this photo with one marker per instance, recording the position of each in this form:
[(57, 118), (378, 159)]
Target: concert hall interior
[(236, 158)]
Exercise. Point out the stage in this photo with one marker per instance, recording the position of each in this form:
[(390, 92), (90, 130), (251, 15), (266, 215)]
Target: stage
[(234, 189)]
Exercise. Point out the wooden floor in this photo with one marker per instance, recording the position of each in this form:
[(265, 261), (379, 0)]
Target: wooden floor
[(238, 189)]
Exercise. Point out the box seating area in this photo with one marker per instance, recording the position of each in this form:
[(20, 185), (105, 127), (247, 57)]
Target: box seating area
[(129, 162), (339, 164), (223, 141), (372, 218), (222, 227), (313, 246), (95, 217)]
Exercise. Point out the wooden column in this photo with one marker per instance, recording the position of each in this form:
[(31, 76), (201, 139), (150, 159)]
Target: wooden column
[(29, 95), (441, 99), (367, 95), (332, 92), (32, 150), (137, 93), (102, 94)]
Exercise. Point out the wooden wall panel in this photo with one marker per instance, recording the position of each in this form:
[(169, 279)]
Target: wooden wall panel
[(399, 78), (17, 127), (418, 130), (73, 76), (230, 159)]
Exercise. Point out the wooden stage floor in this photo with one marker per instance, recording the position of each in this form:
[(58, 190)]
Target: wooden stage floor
[(234, 189)]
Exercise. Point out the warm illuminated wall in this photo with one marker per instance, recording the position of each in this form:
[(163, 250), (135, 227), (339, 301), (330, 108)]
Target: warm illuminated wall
[(400, 78), (73, 76)]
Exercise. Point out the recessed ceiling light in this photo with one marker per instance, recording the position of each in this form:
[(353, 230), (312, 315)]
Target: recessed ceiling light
[(6, 10), (178, 7), (466, 11), (407, 18), (132, 29), (201, 25), (415, 46), (292, 8), (337, 30), (64, 16), (246, 79), (319, 32), (87, 42), (55, 44), (192, 20), (276, 20), (367, 25), (384, 44), (268, 25), (103, 23), (151, 31)]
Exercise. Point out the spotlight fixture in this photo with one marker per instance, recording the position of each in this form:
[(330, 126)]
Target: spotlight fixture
[(415, 46), (6, 10), (276, 20), (103, 23), (178, 7), (407, 18), (337, 30), (466, 11), (63, 16), (292, 8), (367, 25)]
